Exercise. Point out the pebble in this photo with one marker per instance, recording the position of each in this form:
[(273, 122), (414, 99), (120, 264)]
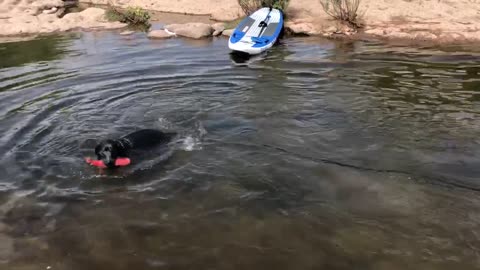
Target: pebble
[(50, 11), (127, 32)]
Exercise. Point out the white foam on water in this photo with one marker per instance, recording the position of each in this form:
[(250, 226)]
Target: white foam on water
[(191, 143), (201, 130), (163, 123)]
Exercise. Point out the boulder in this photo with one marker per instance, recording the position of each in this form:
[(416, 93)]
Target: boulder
[(228, 32), (218, 29), (174, 27), (88, 15), (218, 26), (191, 30), (90, 18), (159, 34), (50, 11), (93, 14), (301, 28)]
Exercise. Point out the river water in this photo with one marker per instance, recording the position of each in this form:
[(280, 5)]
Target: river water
[(317, 155)]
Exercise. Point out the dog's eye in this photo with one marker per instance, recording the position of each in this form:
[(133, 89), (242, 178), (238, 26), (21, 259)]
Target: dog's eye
[(107, 148)]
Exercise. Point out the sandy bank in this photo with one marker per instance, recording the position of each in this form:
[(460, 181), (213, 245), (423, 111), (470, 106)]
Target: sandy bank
[(429, 20), (221, 10), (432, 20), (437, 20)]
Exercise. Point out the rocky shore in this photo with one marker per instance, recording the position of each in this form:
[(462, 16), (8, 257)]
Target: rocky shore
[(30, 17), (445, 21), (441, 21)]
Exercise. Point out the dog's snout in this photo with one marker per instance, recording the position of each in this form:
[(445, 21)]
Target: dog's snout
[(104, 155)]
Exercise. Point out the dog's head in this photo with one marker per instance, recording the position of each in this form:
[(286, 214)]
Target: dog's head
[(107, 151)]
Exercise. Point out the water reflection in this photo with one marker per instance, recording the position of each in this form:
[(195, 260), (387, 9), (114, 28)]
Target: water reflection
[(37, 50), (239, 57)]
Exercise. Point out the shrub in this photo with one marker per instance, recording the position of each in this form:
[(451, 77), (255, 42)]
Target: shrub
[(131, 15), (342, 10), (250, 6), (278, 4)]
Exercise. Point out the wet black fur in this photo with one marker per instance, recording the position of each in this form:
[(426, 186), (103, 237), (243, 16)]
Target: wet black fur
[(109, 150)]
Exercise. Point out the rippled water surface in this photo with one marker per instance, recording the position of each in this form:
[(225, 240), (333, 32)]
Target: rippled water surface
[(317, 155)]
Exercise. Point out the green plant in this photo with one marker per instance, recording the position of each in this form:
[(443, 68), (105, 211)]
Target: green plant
[(278, 4), (112, 14), (342, 10), (130, 15), (250, 6)]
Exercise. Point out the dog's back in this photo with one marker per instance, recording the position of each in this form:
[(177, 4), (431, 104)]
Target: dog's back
[(148, 137)]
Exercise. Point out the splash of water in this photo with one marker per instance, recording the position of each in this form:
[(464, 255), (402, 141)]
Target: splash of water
[(191, 143)]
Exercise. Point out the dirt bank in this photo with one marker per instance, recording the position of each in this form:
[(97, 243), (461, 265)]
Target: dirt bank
[(221, 10)]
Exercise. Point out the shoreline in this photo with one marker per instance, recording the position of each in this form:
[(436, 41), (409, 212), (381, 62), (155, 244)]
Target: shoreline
[(427, 21)]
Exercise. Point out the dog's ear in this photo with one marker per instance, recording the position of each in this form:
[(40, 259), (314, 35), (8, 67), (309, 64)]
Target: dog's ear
[(120, 148), (98, 148), (118, 145)]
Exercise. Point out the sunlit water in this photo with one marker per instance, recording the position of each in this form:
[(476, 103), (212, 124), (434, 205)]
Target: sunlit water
[(316, 155)]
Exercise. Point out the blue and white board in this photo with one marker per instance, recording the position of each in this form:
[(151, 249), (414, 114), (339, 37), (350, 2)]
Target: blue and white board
[(257, 32)]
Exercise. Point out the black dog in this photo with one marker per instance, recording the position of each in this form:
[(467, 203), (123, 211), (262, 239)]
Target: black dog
[(109, 150)]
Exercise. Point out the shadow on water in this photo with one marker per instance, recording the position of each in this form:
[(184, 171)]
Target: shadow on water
[(240, 57), (37, 50)]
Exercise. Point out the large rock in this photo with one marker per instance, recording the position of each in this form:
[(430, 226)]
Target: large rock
[(90, 18), (159, 34), (218, 29), (301, 28), (228, 32), (191, 30), (220, 10), (88, 15)]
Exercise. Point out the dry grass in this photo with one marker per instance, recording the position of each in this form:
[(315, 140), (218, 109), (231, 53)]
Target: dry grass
[(250, 6), (343, 10)]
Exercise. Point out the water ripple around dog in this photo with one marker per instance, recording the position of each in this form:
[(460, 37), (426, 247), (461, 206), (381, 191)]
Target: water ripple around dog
[(343, 141)]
